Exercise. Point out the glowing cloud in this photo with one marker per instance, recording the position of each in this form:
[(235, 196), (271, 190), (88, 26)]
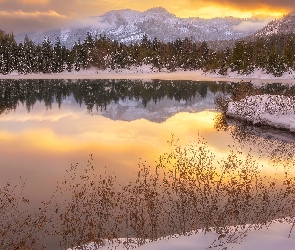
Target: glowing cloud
[(211, 11), (52, 13), (23, 14), (17, 21), (34, 1), (241, 8)]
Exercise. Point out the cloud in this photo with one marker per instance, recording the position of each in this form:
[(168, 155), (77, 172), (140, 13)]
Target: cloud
[(251, 4), (60, 6), (250, 26), (22, 14), (34, 1), (34, 15), (20, 21), (93, 22)]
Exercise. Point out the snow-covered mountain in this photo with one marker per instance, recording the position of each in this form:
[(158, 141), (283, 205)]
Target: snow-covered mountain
[(130, 26), (130, 110), (282, 25)]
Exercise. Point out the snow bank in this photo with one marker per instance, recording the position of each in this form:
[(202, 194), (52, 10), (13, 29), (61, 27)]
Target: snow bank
[(272, 237), (257, 74), (147, 72), (273, 110)]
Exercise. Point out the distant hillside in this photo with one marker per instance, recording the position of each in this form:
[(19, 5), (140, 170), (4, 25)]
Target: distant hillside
[(283, 25), (128, 26), (275, 28)]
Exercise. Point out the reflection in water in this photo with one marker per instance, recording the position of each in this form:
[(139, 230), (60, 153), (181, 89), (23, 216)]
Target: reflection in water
[(57, 123), (275, 145), (98, 93), (220, 122), (54, 124)]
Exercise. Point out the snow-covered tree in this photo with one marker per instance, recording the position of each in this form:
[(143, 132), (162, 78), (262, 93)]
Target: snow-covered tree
[(47, 56), (8, 53)]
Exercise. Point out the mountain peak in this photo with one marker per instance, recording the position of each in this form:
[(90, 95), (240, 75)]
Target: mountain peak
[(158, 10), (120, 12)]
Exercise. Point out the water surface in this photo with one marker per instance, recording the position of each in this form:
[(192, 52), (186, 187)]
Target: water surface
[(47, 125)]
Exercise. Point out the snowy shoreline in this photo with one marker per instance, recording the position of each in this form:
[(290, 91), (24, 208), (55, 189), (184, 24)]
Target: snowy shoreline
[(273, 110), (275, 235), (146, 73)]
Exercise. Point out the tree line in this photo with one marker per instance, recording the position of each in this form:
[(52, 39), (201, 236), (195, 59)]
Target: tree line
[(275, 55)]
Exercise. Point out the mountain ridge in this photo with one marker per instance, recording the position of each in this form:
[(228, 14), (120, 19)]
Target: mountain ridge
[(283, 25), (129, 26)]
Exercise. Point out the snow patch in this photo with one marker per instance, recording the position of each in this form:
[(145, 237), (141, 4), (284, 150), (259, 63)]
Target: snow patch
[(274, 110), (147, 72)]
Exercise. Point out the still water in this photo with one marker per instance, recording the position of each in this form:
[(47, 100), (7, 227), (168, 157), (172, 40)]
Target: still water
[(45, 126)]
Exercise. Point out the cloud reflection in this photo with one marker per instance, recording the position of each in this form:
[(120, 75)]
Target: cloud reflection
[(40, 150), (41, 145)]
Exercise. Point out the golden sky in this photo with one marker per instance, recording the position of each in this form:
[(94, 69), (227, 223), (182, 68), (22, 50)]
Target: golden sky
[(26, 15)]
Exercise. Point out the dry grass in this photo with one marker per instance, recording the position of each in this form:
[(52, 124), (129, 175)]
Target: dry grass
[(187, 189)]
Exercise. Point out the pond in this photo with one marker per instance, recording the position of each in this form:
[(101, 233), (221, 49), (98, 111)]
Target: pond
[(48, 125)]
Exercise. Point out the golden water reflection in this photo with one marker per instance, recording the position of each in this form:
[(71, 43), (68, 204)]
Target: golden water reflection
[(41, 145)]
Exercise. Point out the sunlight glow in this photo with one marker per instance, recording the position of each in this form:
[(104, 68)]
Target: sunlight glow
[(119, 145), (212, 11), (34, 1)]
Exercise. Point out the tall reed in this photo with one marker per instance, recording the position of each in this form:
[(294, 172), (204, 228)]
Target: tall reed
[(188, 190)]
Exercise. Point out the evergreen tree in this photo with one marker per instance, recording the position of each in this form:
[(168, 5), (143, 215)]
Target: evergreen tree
[(69, 59), (101, 55), (87, 50), (76, 53), (288, 54), (30, 57), (47, 56), (275, 64), (242, 58), (58, 63), (223, 60), (21, 59), (203, 53), (187, 58), (145, 49), (260, 53), (8, 53)]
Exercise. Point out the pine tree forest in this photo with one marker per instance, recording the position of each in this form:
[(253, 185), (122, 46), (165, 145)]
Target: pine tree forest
[(274, 55)]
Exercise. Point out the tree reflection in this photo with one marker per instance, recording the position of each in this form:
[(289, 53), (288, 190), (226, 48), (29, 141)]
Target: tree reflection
[(97, 94), (277, 144)]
